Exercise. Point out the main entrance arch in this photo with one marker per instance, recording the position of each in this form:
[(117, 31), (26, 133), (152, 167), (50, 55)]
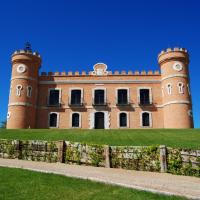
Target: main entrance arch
[(99, 120)]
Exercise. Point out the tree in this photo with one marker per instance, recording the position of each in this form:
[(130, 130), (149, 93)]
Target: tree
[(3, 124)]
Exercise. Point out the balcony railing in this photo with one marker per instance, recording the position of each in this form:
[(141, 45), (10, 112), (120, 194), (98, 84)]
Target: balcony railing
[(99, 103)]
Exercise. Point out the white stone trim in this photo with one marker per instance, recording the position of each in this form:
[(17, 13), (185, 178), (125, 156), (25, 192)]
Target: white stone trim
[(174, 75), (173, 102), (21, 68), (179, 68), (122, 88), (92, 119), (127, 119), (96, 81), (150, 119), (99, 88), (70, 93), (180, 86), (20, 104), (29, 93), (60, 94), (80, 119), (58, 119), (150, 93), (23, 77), (8, 115)]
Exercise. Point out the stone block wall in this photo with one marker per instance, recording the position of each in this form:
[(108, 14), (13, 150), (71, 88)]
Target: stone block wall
[(81, 153), (144, 158), (136, 158)]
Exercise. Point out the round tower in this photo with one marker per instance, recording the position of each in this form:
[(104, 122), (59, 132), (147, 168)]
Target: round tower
[(23, 89), (177, 107)]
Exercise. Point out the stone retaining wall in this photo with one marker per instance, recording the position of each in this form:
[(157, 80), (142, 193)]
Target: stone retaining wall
[(149, 158)]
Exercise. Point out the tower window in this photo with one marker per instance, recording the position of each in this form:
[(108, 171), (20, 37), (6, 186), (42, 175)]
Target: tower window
[(146, 119), (123, 120), (188, 87), (180, 87), (53, 120), (18, 90), (144, 97), (76, 97), (54, 97), (99, 97), (75, 120), (29, 91), (122, 96), (169, 88)]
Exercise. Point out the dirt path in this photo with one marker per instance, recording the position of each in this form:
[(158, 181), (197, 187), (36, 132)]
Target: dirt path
[(148, 181)]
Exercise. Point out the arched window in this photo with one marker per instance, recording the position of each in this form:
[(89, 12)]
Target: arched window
[(122, 120), (169, 88), (75, 120), (180, 87), (146, 119), (53, 120), (29, 91), (18, 90)]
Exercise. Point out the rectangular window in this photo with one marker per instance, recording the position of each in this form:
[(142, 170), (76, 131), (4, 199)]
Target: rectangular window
[(76, 97), (122, 97), (144, 96), (54, 97), (75, 120), (99, 98)]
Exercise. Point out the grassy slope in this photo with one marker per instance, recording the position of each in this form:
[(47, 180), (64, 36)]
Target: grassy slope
[(188, 138), (24, 184)]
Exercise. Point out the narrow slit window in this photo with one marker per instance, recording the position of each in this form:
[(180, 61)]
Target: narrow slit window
[(29, 91), (180, 88), (18, 90), (169, 89)]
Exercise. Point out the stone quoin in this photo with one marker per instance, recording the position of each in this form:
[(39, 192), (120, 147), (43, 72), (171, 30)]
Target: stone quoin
[(100, 99)]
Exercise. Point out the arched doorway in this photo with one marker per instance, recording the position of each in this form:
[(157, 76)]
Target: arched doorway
[(99, 120)]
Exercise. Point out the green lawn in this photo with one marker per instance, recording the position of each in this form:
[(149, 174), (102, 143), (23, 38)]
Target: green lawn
[(188, 138), (28, 185)]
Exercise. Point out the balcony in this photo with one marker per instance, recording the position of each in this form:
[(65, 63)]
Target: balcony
[(96, 102)]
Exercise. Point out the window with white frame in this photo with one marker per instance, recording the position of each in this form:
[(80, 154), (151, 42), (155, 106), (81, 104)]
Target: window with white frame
[(122, 96), (54, 97), (169, 88), (145, 96), (99, 97), (180, 87), (146, 120), (29, 91), (18, 90), (76, 97), (123, 120), (75, 120), (53, 120)]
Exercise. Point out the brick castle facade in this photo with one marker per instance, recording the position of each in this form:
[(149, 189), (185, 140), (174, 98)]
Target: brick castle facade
[(100, 98)]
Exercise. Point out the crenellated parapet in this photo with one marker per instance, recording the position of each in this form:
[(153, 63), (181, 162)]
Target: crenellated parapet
[(110, 73), (178, 54)]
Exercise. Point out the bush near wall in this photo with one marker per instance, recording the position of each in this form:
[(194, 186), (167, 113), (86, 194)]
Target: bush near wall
[(150, 158), (136, 158), (81, 153)]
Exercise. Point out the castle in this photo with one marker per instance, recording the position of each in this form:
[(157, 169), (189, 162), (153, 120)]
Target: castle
[(100, 99)]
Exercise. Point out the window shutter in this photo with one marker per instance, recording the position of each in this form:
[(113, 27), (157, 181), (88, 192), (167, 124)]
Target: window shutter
[(91, 120)]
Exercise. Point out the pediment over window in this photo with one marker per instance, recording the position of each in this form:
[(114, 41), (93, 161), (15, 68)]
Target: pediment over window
[(100, 69)]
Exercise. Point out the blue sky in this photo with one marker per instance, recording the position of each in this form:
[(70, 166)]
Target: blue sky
[(76, 34)]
